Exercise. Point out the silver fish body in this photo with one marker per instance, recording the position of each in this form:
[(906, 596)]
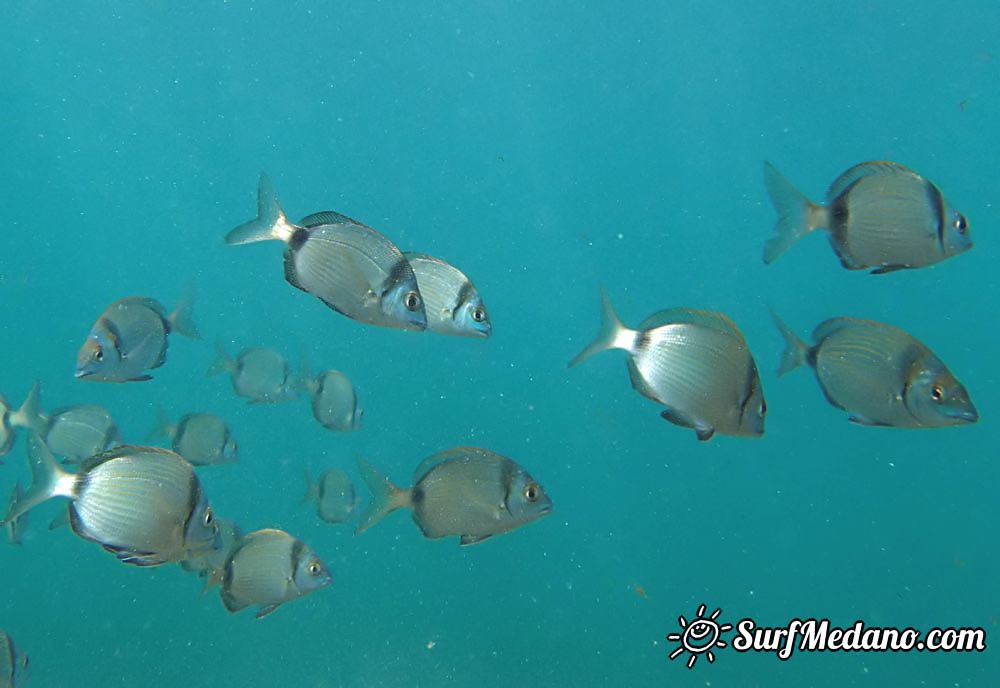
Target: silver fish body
[(451, 301), (334, 401), (262, 376), (78, 432), (334, 494), (203, 439), (880, 374), (880, 215), (130, 338), (469, 492), (347, 265), (143, 504), (269, 568), (695, 363), (13, 663)]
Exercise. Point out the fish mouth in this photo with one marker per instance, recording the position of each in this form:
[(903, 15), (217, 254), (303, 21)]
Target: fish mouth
[(965, 415)]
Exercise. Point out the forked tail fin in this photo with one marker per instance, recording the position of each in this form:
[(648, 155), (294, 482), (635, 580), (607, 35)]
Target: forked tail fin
[(794, 213), (386, 497), (270, 222), (612, 334)]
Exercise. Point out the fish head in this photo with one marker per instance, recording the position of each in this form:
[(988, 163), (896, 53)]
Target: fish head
[(472, 319), (98, 356), (201, 534), (526, 499), (754, 409), (955, 237), (311, 573), (402, 303), (935, 397)]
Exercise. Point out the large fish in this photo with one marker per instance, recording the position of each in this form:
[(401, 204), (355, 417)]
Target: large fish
[(143, 504), (203, 439), (470, 492), (262, 376), (347, 265), (451, 301), (879, 374), (696, 363), (268, 568), (880, 215), (13, 663), (130, 338)]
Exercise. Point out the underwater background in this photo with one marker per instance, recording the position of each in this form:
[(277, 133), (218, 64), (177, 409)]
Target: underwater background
[(547, 149)]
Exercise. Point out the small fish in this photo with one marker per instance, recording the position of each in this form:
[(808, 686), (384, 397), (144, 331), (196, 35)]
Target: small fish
[(13, 663), (260, 375), (130, 338), (212, 566), (451, 302), (696, 363), (143, 504), (467, 491), (203, 439), (333, 398), (16, 528), (879, 214), (27, 416), (333, 493), (879, 374), (268, 568), (78, 432), (347, 265)]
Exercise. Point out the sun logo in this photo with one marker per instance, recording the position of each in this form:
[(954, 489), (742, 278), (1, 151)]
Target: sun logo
[(699, 637)]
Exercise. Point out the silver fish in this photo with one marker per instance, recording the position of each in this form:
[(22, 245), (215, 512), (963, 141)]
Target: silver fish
[(78, 432), (333, 398), (347, 265), (203, 439), (13, 663), (451, 301), (261, 376), (333, 493), (879, 374), (16, 528), (467, 491), (26, 416), (696, 363), (880, 215), (211, 567), (143, 504), (130, 338), (268, 568)]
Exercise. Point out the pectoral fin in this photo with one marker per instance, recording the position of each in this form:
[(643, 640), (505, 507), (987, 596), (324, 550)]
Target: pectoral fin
[(887, 268), (472, 539), (860, 420)]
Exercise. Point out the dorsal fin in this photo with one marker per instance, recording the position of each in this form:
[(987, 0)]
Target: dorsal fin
[(327, 217), (866, 169), (710, 319)]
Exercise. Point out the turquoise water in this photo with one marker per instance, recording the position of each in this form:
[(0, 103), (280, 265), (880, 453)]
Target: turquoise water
[(547, 149)]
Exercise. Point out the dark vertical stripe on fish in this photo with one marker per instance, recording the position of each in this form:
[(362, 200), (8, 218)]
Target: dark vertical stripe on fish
[(194, 496), (463, 295), (299, 236), (937, 208), (298, 549), (400, 271), (114, 333)]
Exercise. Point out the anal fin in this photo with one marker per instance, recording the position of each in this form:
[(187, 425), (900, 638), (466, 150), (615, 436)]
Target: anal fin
[(472, 539), (265, 610)]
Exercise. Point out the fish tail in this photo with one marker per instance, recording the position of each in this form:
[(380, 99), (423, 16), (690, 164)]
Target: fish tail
[(270, 222), (796, 351), (794, 213), (29, 415), (222, 363), (162, 427), (386, 497), (182, 318), (312, 487), (213, 577), (47, 480), (612, 335)]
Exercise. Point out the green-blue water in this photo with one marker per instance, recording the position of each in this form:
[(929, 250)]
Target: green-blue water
[(546, 148)]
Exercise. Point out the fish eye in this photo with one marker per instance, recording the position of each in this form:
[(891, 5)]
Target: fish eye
[(479, 314), (937, 394), (412, 301), (532, 493), (209, 518), (314, 568), (961, 224), (99, 354)]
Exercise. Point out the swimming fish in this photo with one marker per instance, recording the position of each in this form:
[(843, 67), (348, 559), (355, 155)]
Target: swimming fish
[(203, 439), (16, 528), (78, 432), (211, 566), (696, 363), (333, 398), (452, 303), (268, 568), (333, 493), (143, 504), (879, 374), (260, 375), (347, 265), (26, 416), (13, 663), (467, 491), (130, 338), (880, 215)]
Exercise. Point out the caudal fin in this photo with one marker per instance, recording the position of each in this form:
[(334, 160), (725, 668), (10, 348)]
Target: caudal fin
[(270, 222), (182, 318), (386, 497), (162, 427), (794, 213), (612, 335), (312, 487), (29, 415), (47, 480), (796, 351), (223, 361)]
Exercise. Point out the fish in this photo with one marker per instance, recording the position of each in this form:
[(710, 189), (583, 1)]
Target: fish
[(695, 363), (333, 398), (333, 493), (16, 528), (13, 663), (211, 566), (470, 492), (880, 215), (25, 416), (143, 504), (203, 439), (260, 375), (78, 432), (269, 568), (130, 338), (451, 301), (880, 374), (347, 265)]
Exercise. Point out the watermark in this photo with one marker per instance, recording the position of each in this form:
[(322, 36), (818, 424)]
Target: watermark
[(702, 635)]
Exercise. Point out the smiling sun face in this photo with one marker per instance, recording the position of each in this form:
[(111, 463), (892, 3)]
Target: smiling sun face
[(699, 637)]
